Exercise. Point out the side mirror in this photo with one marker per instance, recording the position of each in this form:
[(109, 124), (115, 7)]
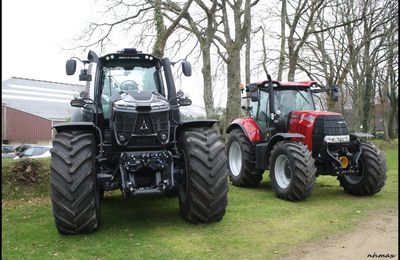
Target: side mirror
[(70, 67), (78, 102), (184, 102), (253, 90), (335, 93), (186, 68)]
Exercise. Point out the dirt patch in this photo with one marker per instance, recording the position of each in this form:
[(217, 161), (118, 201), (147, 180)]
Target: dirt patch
[(375, 237)]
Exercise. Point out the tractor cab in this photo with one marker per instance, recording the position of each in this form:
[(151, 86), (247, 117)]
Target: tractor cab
[(130, 77), (287, 97)]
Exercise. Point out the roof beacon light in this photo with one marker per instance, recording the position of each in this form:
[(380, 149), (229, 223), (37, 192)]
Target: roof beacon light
[(129, 51)]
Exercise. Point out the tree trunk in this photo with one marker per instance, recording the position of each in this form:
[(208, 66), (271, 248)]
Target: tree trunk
[(368, 102), (207, 82), (247, 55), (292, 67), (159, 45), (283, 41), (233, 99)]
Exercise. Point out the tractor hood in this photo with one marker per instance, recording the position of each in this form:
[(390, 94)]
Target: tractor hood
[(309, 115), (142, 101), (141, 119), (316, 125)]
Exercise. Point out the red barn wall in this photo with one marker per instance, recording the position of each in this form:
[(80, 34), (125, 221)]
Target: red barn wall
[(18, 125)]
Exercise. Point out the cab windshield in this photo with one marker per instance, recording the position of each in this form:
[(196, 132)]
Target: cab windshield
[(288, 100), (126, 77), (117, 79)]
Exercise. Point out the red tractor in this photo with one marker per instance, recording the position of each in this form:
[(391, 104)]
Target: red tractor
[(285, 134)]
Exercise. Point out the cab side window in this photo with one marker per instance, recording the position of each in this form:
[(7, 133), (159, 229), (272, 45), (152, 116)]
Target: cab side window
[(260, 110)]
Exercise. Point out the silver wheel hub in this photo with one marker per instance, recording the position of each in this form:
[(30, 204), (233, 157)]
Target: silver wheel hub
[(235, 159), (283, 172)]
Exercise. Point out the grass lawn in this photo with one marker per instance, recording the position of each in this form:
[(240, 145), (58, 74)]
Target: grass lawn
[(257, 225)]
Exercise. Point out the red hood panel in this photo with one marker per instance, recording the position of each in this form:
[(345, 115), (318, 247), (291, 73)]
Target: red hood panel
[(314, 113), (302, 122)]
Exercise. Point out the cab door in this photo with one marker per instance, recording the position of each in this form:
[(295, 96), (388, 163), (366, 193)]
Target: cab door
[(260, 111)]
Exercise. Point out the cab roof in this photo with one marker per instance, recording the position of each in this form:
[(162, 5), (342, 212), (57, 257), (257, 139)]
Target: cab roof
[(305, 84), (129, 54)]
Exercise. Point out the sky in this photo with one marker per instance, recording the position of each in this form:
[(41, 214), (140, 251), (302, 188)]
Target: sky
[(36, 33)]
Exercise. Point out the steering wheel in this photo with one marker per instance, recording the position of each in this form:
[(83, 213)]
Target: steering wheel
[(129, 85), (283, 108)]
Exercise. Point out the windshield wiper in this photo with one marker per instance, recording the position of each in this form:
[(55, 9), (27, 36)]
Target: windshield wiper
[(115, 81), (302, 95)]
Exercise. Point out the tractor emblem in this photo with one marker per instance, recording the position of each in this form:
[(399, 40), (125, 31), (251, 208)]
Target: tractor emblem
[(144, 126)]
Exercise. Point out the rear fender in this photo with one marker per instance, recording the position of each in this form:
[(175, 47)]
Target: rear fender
[(249, 127)]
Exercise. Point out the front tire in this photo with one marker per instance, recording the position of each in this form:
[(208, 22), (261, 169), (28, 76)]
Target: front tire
[(203, 189), (75, 199), (292, 171), (372, 173), (241, 160)]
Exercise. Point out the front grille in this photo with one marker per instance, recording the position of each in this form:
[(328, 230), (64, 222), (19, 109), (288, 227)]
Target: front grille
[(125, 121), (142, 128), (141, 123), (327, 125)]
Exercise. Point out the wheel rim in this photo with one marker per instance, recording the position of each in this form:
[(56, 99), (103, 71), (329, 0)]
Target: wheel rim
[(283, 172), (235, 159)]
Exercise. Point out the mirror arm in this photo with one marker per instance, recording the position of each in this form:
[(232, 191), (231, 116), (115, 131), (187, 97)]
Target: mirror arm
[(175, 62), (83, 61)]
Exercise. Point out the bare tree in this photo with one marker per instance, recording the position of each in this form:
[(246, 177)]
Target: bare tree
[(204, 29), (365, 46), (163, 32), (115, 16), (120, 15), (283, 40), (345, 47), (233, 46), (387, 81), (329, 51), (303, 16)]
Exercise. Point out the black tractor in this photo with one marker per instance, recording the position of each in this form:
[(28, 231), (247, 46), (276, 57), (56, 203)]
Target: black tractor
[(128, 133)]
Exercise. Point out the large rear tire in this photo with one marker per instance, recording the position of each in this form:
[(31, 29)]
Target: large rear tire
[(75, 199), (372, 173), (292, 171), (241, 160), (203, 189)]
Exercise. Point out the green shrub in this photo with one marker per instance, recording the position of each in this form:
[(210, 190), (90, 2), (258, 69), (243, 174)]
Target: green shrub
[(27, 171), (386, 145), (25, 178)]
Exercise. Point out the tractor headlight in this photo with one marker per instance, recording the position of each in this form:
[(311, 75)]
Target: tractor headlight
[(337, 138), (122, 138)]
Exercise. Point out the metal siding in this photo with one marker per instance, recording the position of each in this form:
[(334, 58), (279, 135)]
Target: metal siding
[(24, 126), (46, 99)]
